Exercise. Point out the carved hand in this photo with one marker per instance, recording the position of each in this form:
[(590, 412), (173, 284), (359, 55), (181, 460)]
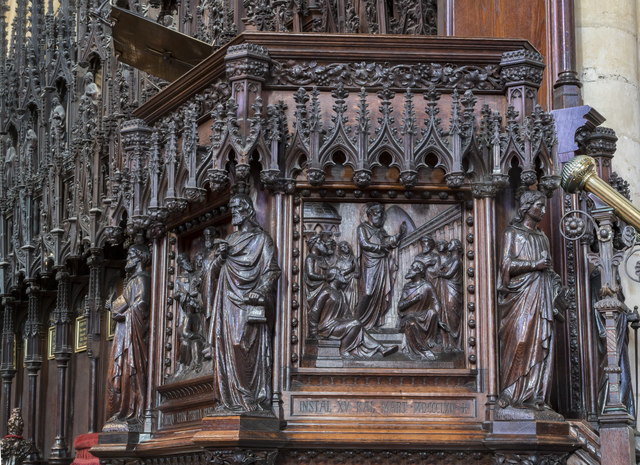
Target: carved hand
[(223, 250), (542, 264), (254, 298)]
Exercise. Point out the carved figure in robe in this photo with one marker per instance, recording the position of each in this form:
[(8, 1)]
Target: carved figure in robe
[(127, 375), (451, 298), (14, 449), (190, 326), (418, 309), (239, 339), (208, 277), (330, 318), (9, 163), (430, 258), (529, 290), (347, 264), (315, 268), (377, 266)]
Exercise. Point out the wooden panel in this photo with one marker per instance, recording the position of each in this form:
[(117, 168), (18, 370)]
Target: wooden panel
[(509, 19)]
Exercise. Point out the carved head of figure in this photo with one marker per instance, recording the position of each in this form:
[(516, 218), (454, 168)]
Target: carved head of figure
[(344, 249), (416, 271), (316, 245), (376, 214), (15, 424), (330, 245), (198, 260), (138, 255), (184, 262), (242, 209), (533, 205), (209, 235), (454, 247), (428, 243)]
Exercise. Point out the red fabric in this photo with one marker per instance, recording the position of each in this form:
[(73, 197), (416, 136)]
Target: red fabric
[(82, 444)]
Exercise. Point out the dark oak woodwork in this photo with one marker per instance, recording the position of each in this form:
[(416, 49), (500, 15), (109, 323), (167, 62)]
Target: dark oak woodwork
[(315, 204)]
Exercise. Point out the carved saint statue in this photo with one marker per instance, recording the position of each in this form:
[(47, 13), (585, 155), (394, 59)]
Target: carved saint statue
[(419, 308), (190, 327), (529, 290), (127, 378), (378, 268), (13, 447), (451, 295), (330, 318), (242, 313)]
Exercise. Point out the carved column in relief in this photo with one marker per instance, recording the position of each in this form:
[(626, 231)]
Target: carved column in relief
[(484, 194), (7, 367), (33, 361), (95, 262), (522, 71), (62, 353)]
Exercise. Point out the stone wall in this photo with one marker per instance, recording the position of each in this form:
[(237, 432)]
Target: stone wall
[(608, 55)]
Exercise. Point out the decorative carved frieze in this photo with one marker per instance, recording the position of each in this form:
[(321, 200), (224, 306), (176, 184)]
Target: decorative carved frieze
[(397, 76)]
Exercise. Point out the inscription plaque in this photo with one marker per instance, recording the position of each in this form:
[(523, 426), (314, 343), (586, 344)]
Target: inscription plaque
[(435, 407)]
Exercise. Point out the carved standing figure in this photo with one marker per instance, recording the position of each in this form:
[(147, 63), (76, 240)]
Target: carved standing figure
[(528, 291), (330, 319), (190, 327), (240, 339), (419, 308), (127, 378), (451, 297), (315, 268), (376, 264), (346, 263)]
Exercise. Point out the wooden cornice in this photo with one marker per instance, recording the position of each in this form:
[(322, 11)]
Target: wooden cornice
[(333, 48)]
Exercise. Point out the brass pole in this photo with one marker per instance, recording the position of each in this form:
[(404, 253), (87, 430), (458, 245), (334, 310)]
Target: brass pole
[(580, 174)]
